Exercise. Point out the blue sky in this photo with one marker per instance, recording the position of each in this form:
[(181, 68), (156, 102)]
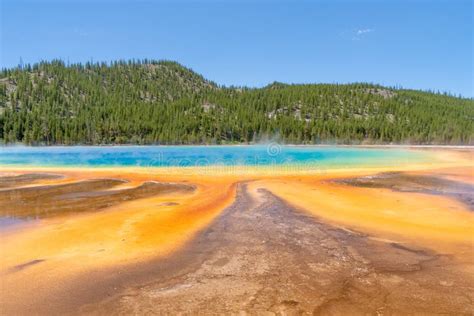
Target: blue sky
[(416, 44)]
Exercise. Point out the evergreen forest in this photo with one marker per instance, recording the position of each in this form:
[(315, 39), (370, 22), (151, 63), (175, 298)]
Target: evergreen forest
[(163, 102)]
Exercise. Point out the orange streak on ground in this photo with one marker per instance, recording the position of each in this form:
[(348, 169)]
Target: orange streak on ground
[(140, 230), (130, 232), (439, 223), (122, 232)]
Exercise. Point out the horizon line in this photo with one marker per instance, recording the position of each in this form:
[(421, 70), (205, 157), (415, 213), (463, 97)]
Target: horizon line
[(148, 61)]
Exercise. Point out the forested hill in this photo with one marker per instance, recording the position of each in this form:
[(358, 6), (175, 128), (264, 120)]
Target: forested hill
[(162, 102)]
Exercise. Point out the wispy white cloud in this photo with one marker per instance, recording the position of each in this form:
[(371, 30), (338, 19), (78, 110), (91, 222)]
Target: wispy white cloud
[(360, 33), (80, 32), (363, 31), (356, 34)]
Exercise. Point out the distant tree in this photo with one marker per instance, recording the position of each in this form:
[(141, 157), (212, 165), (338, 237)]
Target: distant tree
[(148, 101)]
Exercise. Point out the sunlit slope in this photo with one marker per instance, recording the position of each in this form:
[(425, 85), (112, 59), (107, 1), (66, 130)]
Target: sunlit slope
[(150, 102)]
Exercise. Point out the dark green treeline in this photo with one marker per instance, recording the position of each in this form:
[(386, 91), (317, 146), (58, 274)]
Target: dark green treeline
[(162, 102)]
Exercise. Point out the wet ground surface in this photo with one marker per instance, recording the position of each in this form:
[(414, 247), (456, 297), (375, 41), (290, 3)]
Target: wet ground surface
[(38, 202), (428, 184), (93, 238), (18, 180), (261, 256)]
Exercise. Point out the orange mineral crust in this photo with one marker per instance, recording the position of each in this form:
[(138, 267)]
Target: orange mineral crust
[(436, 222), (58, 247), (78, 222)]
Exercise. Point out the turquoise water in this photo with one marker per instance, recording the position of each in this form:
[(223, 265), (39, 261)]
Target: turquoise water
[(189, 156)]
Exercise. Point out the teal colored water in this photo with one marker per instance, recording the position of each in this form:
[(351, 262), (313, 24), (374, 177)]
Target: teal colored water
[(188, 156)]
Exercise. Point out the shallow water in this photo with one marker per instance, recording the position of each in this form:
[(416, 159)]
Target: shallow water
[(192, 156), (101, 234), (8, 222)]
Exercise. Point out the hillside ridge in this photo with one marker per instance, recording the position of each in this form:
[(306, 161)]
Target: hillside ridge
[(163, 102)]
